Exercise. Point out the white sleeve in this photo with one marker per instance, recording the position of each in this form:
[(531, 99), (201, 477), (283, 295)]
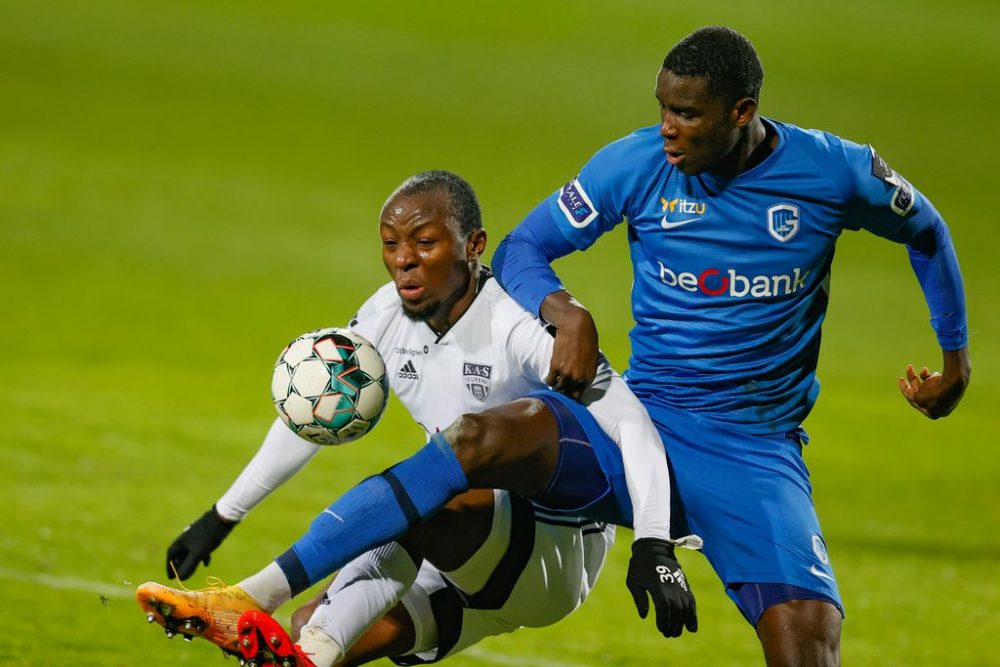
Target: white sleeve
[(620, 414), (530, 348), (281, 455)]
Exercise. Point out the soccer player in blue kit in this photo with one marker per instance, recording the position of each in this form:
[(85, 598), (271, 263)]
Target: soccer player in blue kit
[(732, 222)]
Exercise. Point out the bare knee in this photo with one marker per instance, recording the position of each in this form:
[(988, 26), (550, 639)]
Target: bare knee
[(514, 446), (300, 617), (801, 633)]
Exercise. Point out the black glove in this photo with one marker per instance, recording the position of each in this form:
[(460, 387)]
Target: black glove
[(195, 544), (654, 570)]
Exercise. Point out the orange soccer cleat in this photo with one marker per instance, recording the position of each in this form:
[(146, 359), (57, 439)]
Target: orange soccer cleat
[(211, 613)]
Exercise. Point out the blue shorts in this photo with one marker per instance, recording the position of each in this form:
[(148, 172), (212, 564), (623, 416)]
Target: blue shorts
[(589, 480), (750, 499)]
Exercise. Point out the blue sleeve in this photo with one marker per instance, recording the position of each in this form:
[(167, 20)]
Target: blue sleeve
[(521, 261), (887, 205), (933, 259), (572, 218)]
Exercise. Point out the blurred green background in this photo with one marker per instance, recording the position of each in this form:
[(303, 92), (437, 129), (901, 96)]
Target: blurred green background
[(185, 186)]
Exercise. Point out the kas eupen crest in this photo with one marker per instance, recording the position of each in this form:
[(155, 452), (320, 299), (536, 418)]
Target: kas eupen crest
[(477, 379)]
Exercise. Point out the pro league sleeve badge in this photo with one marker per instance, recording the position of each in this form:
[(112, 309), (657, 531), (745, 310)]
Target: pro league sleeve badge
[(902, 197), (576, 205)]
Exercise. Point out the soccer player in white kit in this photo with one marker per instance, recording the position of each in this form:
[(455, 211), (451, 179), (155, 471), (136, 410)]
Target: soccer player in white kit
[(469, 350)]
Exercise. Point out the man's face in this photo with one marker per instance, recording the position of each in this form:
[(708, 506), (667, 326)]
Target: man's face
[(699, 130), (424, 255)]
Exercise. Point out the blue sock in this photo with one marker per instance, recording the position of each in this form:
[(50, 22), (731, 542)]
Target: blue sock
[(376, 511)]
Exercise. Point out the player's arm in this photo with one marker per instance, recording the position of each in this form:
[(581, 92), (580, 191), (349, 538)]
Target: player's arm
[(572, 218), (281, 455), (889, 206), (935, 263), (653, 572)]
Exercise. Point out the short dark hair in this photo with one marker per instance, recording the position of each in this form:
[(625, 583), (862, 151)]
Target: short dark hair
[(724, 57), (463, 206)]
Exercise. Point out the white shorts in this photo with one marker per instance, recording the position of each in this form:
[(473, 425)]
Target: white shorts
[(535, 568)]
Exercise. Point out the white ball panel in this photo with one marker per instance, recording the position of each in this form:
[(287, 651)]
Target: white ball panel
[(311, 377), (280, 380), (319, 435), (299, 410), (371, 400), (370, 360), (298, 351), (353, 431)]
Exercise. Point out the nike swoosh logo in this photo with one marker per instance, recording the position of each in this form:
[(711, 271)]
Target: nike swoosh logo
[(680, 223), (820, 573)]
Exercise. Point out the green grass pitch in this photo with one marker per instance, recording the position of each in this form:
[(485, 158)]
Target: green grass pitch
[(184, 186)]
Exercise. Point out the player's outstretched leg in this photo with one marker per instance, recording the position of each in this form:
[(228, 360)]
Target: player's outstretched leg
[(211, 614), (357, 607), (514, 447)]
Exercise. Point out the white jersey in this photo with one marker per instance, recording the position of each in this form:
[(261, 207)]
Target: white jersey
[(495, 353)]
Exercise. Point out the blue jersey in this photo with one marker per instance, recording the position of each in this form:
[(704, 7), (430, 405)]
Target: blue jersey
[(731, 275)]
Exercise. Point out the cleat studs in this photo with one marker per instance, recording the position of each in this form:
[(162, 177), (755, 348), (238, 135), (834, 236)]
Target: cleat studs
[(242, 662), (188, 638), (275, 641), (170, 634), (150, 618), (252, 662)]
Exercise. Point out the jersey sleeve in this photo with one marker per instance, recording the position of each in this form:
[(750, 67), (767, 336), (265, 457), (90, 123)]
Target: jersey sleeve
[(594, 202), (374, 315), (281, 455), (572, 218), (620, 414), (886, 204), (529, 348)]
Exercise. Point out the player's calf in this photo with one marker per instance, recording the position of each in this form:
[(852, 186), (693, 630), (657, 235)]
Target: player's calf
[(801, 633)]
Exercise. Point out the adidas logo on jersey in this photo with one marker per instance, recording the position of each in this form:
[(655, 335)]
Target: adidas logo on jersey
[(408, 372)]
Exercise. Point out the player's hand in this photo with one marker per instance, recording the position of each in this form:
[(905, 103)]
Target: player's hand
[(653, 569), (195, 544), (937, 394), (575, 349)]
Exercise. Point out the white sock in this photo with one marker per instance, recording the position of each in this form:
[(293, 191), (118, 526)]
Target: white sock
[(320, 647), (364, 590), (269, 588)]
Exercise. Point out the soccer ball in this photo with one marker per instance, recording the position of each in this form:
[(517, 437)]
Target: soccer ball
[(330, 386)]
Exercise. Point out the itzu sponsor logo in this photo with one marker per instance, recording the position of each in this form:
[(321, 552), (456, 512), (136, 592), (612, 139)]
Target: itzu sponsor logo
[(679, 211), (719, 282), (477, 379), (681, 205)]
